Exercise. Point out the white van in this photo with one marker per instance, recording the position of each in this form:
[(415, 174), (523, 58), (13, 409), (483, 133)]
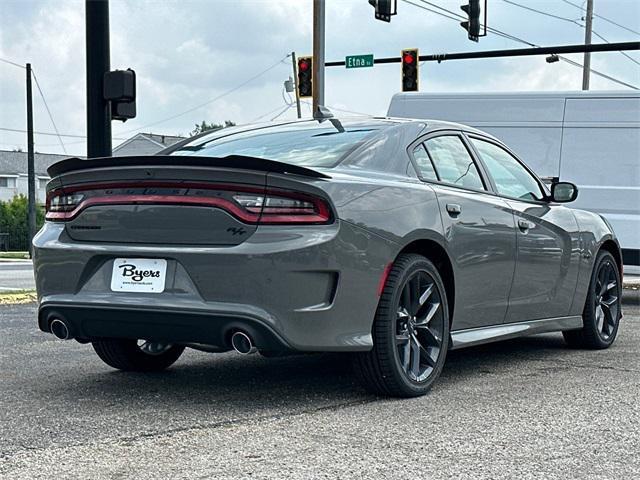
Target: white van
[(589, 138)]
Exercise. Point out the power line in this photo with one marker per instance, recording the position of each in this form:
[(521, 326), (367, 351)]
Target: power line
[(579, 7), (53, 134), (517, 39), (619, 51), (603, 75), (575, 22), (542, 13), (208, 102), (44, 100), (12, 63)]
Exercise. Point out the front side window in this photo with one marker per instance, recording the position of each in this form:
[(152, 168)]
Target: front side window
[(512, 179), (453, 162)]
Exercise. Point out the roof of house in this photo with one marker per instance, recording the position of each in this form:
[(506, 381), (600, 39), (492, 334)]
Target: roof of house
[(15, 163), (146, 143)]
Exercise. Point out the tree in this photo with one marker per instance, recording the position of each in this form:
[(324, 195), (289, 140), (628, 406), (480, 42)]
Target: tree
[(205, 127), (13, 220)]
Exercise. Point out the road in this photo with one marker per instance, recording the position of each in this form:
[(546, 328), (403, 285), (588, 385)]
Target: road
[(528, 408), (16, 276)]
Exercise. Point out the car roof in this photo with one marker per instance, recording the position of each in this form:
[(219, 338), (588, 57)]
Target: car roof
[(428, 125)]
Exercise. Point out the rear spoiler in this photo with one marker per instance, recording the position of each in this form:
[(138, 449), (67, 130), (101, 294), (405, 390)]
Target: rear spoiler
[(232, 161)]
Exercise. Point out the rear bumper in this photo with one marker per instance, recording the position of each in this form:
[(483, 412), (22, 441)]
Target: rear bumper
[(89, 322), (311, 288)]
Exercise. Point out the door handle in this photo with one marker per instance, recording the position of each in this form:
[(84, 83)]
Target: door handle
[(525, 225), (454, 209)]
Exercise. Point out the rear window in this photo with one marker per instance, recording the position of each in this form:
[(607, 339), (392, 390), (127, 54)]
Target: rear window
[(307, 145)]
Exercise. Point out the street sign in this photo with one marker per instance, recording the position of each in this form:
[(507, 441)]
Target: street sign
[(358, 61)]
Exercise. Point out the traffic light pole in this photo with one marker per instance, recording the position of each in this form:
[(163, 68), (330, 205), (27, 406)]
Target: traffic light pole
[(31, 175), (295, 79), (318, 55), (518, 52), (586, 69), (98, 109)]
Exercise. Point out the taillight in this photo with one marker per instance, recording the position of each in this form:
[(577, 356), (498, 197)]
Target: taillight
[(248, 204), (277, 208)]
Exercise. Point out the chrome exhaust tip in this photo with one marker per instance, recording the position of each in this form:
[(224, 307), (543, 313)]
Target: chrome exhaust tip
[(60, 329), (242, 343)]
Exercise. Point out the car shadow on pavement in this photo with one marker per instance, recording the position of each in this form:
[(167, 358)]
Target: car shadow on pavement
[(253, 383)]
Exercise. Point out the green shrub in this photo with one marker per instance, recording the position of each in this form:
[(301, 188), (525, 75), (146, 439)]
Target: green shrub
[(14, 221)]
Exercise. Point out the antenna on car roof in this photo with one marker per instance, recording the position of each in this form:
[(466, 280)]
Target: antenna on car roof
[(323, 113)]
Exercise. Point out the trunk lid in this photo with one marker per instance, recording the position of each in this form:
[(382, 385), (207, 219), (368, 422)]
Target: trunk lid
[(169, 200)]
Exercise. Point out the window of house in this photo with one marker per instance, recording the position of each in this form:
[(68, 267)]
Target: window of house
[(7, 182)]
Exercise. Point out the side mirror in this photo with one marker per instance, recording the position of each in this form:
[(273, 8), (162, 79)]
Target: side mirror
[(563, 192)]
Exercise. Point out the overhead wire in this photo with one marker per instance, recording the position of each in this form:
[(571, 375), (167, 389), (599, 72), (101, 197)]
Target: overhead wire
[(208, 102), (580, 7), (520, 40), (575, 22), (46, 105)]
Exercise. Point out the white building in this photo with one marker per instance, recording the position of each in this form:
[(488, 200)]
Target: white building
[(13, 165), (13, 174)]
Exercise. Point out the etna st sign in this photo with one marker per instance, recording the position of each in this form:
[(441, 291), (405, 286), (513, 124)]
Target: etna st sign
[(358, 61)]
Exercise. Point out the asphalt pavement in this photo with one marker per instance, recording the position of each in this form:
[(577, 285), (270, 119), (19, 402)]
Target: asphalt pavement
[(528, 408), (16, 275)]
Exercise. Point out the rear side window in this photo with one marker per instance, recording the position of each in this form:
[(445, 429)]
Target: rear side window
[(510, 177), (453, 162), (423, 162)]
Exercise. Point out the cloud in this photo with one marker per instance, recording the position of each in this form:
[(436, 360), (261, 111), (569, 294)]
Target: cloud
[(186, 53)]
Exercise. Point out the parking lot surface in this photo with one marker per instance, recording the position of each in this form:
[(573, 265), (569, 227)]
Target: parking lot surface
[(528, 408)]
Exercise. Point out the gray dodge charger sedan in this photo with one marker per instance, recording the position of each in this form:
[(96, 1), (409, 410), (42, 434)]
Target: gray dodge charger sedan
[(397, 240)]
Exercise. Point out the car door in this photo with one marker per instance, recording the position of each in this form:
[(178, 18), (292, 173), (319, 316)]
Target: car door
[(479, 229), (547, 238)]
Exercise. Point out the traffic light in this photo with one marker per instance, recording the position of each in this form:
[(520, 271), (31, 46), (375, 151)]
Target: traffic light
[(385, 9), (410, 70), (305, 76), (472, 25)]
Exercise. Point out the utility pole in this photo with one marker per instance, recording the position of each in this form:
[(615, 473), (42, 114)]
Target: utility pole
[(31, 176), (98, 109), (295, 77), (587, 41), (318, 55)]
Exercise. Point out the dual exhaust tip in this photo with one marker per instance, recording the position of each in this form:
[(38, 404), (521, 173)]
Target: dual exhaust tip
[(60, 329), (240, 341)]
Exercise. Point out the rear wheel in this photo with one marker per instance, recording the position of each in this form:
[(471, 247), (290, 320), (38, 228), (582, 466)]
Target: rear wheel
[(602, 312), (410, 331), (137, 355)]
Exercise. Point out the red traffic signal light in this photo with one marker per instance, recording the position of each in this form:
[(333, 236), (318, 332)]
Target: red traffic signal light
[(305, 76), (410, 59)]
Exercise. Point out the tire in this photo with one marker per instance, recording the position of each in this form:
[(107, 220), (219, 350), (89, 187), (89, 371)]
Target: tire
[(129, 356), (389, 368), (602, 309)]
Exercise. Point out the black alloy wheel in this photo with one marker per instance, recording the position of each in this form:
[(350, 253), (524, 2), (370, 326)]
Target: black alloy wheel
[(410, 331), (602, 310)]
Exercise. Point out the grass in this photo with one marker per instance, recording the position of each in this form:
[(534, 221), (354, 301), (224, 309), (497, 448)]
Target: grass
[(14, 255), (18, 296)]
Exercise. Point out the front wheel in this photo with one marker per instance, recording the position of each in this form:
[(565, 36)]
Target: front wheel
[(602, 311), (410, 331), (137, 355)]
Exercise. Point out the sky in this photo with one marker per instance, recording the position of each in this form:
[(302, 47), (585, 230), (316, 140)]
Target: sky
[(229, 58)]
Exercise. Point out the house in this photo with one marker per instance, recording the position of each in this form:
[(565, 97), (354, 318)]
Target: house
[(13, 174), (145, 144), (13, 165)]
